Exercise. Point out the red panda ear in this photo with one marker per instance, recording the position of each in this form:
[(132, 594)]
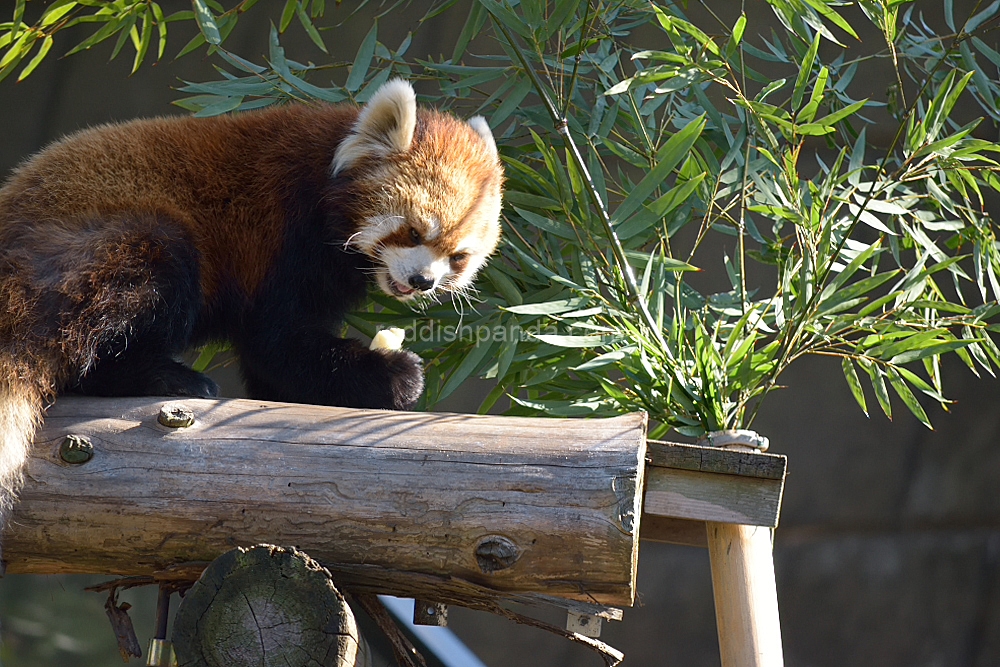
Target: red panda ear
[(482, 128), (384, 126)]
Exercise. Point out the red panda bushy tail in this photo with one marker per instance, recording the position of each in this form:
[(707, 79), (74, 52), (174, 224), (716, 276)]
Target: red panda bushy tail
[(20, 415)]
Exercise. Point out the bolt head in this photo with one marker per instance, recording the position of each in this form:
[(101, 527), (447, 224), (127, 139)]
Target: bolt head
[(76, 449), (175, 416)]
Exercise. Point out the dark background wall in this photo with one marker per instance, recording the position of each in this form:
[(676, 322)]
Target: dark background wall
[(889, 548)]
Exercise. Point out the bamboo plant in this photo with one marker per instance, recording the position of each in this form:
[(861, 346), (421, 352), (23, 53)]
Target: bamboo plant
[(692, 205)]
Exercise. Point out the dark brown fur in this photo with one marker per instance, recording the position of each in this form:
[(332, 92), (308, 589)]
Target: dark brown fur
[(122, 245)]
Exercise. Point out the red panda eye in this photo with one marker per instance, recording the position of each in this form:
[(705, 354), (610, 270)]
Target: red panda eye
[(459, 257), (415, 236)]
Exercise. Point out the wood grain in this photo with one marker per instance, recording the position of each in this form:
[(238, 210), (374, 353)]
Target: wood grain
[(700, 458), (266, 607), (746, 600), (365, 492), (685, 494)]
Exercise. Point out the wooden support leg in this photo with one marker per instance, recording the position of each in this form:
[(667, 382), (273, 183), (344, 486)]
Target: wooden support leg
[(746, 601)]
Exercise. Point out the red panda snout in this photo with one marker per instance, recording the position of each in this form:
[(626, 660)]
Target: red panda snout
[(408, 272)]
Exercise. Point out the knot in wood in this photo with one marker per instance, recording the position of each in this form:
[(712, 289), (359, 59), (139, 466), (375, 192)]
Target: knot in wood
[(175, 416), (496, 552), (76, 449)]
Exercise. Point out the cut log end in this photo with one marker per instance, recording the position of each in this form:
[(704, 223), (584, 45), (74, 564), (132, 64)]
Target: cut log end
[(266, 606)]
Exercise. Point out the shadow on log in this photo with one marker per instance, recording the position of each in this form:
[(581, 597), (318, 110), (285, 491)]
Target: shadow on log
[(263, 607)]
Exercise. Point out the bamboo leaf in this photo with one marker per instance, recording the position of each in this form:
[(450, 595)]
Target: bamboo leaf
[(39, 57), (805, 69), (841, 114), (145, 39), (502, 13), (472, 359), (507, 351), (310, 28), (161, 30), (824, 9), (909, 400), (668, 157), (653, 213), (808, 112), (362, 61), (287, 14), (547, 225), (548, 307), (56, 11), (572, 341), (736, 36), (851, 375), (877, 377), (206, 22), (602, 361), (473, 25), (207, 354)]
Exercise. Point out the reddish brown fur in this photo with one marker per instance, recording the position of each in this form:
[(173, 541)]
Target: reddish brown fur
[(228, 201), (95, 229)]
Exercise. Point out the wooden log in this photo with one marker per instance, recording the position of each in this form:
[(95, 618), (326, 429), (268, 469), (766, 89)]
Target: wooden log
[(546, 507), (746, 602), (266, 607)]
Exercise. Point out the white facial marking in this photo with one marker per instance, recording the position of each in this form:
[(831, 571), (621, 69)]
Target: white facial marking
[(433, 229), (467, 247), (401, 264), (374, 230)]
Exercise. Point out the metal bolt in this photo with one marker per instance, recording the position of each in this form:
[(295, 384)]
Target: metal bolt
[(430, 613), (175, 416), (76, 449), (584, 624)]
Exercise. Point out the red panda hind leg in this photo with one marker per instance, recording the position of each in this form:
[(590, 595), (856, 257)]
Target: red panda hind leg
[(112, 300)]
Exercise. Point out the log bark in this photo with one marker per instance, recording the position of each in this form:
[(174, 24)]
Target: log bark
[(394, 500), (266, 607)]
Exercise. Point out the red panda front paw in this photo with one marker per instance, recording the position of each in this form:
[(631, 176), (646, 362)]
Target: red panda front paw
[(406, 371)]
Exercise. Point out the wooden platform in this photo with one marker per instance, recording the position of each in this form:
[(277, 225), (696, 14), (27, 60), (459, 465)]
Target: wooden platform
[(688, 485), (460, 509), (728, 501)]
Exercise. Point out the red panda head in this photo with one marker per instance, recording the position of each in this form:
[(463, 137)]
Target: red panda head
[(431, 189)]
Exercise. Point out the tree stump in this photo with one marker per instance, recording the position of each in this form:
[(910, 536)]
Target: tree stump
[(266, 606)]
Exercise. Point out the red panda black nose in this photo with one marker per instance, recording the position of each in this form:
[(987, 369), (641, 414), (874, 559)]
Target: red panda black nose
[(421, 282)]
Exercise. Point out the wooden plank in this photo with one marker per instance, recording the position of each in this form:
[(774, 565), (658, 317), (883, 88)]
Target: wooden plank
[(706, 496), (746, 601), (514, 505), (716, 459), (667, 529)]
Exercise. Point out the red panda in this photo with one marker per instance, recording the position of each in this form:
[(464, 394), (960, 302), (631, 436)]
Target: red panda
[(123, 245)]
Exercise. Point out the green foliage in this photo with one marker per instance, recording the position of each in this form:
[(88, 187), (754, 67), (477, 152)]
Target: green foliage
[(629, 167), (133, 22)]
